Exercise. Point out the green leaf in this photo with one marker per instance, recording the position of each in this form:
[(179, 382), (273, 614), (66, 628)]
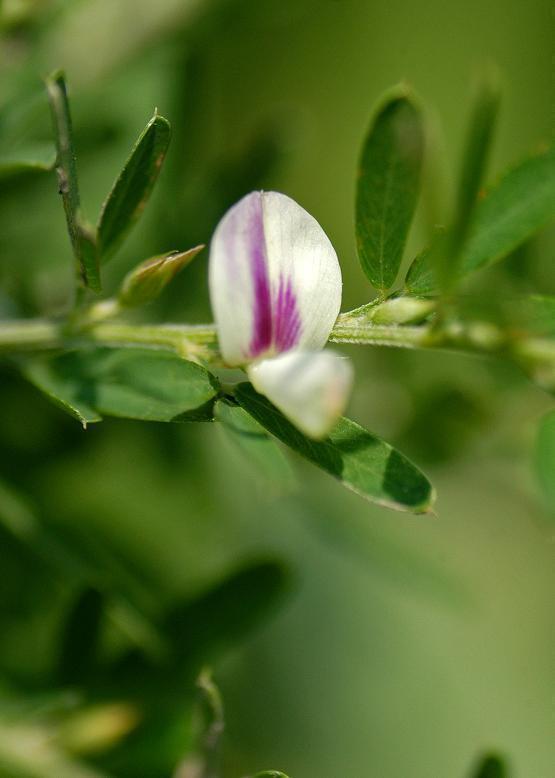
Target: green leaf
[(545, 459), (491, 767), (222, 616), (521, 204), (476, 153), (255, 444), (80, 638), (133, 187), (33, 157), (82, 238), (149, 279), (387, 189), (129, 383), (511, 212), (422, 274), (359, 460), (62, 390), (473, 168)]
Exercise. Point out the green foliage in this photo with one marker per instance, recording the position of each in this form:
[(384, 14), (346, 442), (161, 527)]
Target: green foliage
[(471, 176), (82, 239), (133, 187), (360, 460), (134, 384), (518, 206), (387, 188), (476, 155)]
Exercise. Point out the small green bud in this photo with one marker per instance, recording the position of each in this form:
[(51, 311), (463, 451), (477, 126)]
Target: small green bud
[(147, 280), (402, 310)]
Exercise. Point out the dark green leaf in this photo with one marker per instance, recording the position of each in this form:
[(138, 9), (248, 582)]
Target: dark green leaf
[(360, 460), (255, 444), (545, 459), (33, 157), (491, 767), (79, 641), (133, 383), (133, 187), (387, 189), (521, 203), (82, 238), (147, 281), (216, 620)]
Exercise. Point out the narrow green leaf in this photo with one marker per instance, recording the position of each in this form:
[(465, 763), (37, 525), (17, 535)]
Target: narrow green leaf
[(361, 461), (129, 383), (32, 157), (446, 254), (222, 616), (491, 766), (82, 238), (476, 153), (133, 187), (80, 637), (149, 279), (545, 459), (521, 204), (387, 188), (258, 447)]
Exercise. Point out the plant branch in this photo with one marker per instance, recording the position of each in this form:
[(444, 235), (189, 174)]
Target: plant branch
[(398, 322)]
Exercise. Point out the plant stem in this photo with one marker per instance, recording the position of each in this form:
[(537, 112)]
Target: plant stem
[(199, 342), (30, 335)]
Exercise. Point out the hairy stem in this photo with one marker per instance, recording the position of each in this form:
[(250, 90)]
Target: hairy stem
[(398, 323)]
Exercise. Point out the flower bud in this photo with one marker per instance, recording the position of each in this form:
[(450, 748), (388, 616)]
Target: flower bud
[(147, 280)]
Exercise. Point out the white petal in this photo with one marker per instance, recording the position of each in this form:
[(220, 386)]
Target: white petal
[(299, 249), (275, 281), (310, 388)]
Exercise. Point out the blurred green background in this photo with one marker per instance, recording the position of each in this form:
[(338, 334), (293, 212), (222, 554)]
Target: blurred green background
[(406, 646)]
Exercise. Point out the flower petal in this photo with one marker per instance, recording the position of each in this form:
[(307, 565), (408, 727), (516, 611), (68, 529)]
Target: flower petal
[(310, 388), (275, 281)]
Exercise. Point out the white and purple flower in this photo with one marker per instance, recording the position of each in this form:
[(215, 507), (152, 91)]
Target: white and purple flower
[(275, 286)]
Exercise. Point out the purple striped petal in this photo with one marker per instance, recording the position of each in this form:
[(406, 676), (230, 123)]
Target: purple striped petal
[(275, 282)]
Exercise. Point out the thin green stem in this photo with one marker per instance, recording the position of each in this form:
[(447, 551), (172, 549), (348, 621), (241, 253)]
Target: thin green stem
[(200, 343)]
